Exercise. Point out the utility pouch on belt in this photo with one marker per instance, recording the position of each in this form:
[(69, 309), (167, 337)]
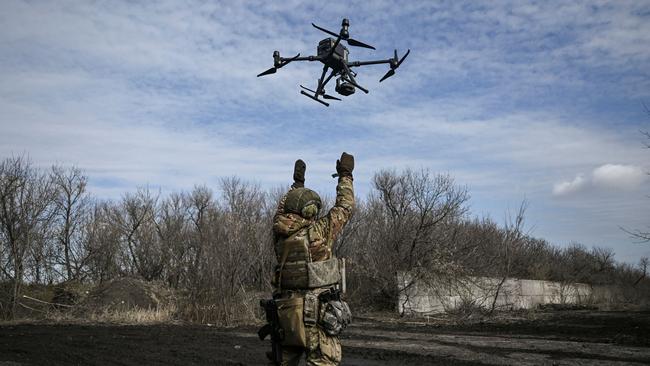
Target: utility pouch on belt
[(336, 317), (290, 316), (310, 311)]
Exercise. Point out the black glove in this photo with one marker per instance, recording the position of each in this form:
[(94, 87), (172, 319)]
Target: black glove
[(345, 165), (299, 174)]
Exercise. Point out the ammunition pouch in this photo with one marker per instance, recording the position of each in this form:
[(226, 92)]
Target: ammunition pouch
[(290, 317)]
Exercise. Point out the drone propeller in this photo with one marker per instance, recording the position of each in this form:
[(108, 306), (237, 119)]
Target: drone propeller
[(325, 30), (351, 41), (390, 73), (354, 42), (278, 64), (394, 64), (272, 70), (325, 96)]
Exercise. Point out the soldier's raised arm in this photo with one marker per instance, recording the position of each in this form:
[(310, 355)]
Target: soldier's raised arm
[(332, 224)]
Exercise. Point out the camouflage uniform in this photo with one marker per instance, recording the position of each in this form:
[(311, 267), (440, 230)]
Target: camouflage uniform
[(322, 349)]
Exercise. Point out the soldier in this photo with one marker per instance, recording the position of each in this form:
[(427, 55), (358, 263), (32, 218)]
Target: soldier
[(308, 278)]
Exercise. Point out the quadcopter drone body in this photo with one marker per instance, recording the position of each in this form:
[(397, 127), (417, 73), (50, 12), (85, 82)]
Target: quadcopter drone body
[(334, 56)]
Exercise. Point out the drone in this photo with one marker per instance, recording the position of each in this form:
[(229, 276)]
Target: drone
[(334, 56)]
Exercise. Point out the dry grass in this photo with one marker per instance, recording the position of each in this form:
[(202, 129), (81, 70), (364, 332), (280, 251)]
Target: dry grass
[(115, 316), (241, 310), (135, 316), (132, 301)]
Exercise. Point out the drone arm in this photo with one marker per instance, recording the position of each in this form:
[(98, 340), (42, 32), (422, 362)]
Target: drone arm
[(306, 58), (364, 63), (279, 62)]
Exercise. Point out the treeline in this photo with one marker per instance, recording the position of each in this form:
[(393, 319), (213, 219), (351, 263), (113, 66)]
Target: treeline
[(214, 247)]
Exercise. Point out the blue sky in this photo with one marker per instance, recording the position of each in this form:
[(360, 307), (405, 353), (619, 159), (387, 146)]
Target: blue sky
[(535, 100)]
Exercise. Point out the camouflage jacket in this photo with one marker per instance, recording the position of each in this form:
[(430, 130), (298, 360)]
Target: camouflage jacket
[(322, 232)]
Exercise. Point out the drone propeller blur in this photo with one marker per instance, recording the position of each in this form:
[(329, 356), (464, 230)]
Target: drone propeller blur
[(334, 56)]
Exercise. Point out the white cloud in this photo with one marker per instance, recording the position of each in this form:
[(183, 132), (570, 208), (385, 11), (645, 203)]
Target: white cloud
[(575, 185), (604, 177), (618, 176)]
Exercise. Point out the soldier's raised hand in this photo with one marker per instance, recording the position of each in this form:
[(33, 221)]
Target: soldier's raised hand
[(345, 165), (299, 169)]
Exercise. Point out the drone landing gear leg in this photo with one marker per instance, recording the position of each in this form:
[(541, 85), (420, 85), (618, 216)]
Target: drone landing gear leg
[(325, 96), (327, 81), (314, 98), (319, 88)]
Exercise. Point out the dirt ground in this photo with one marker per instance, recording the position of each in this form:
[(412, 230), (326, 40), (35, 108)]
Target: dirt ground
[(545, 338)]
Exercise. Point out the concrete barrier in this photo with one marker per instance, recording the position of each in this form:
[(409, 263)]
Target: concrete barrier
[(427, 296)]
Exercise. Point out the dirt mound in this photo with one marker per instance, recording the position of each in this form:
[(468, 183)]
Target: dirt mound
[(127, 294), (33, 301)]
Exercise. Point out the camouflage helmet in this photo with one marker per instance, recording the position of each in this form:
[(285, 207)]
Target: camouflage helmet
[(304, 202)]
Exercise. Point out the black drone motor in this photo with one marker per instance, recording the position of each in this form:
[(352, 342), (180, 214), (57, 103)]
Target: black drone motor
[(345, 25)]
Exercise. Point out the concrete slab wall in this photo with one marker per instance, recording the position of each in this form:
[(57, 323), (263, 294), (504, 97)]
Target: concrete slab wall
[(424, 297)]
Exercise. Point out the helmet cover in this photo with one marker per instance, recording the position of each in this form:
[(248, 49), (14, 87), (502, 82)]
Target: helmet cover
[(303, 201)]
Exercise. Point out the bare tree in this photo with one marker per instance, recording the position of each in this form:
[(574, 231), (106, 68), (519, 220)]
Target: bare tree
[(510, 249), (172, 227), (229, 249), (603, 266), (404, 220), (201, 208), (244, 248), (71, 203), (135, 218), (25, 212), (643, 268), (102, 242)]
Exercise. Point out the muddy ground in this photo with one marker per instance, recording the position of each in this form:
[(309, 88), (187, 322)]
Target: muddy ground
[(543, 338)]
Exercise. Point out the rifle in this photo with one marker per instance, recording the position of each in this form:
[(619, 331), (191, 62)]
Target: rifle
[(273, 328)]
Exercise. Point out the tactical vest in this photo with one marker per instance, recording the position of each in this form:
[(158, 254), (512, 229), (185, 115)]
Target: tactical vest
[(296, 270)]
